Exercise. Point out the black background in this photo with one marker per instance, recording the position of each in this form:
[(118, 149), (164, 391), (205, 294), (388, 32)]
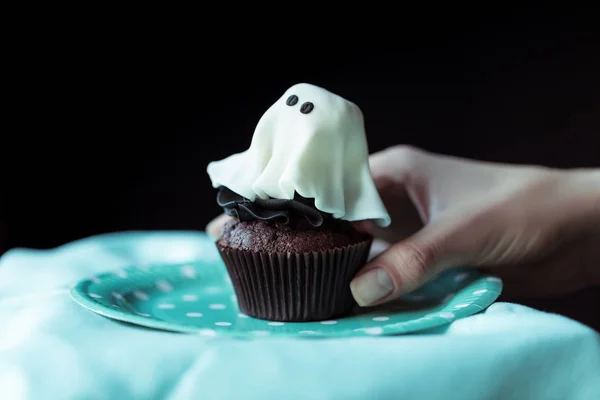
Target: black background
[(119, 132), (115, 134)]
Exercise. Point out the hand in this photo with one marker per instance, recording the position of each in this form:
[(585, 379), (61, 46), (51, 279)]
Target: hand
[(214, 227), (536, 228)]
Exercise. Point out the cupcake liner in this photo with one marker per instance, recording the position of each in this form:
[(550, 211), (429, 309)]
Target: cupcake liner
[(295, 287)]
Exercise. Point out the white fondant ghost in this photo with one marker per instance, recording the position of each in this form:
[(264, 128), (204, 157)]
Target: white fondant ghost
[(312, 142)]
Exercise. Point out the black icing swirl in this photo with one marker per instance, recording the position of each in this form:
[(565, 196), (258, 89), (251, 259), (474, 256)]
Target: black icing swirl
[(282, 211)]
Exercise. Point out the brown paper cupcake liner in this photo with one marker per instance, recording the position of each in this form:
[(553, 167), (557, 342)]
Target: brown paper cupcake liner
[(295, 287)]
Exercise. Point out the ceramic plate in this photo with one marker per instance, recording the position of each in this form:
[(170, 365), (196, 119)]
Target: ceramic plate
[(199, 298)]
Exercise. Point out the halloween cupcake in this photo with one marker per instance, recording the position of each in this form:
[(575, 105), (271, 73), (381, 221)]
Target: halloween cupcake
[(291, 249)]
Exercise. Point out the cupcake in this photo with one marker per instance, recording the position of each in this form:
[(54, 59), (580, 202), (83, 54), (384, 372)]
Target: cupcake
[(291, 249)]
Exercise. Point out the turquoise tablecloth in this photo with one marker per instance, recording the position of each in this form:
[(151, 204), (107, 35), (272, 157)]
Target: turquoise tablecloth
[(51, 348)]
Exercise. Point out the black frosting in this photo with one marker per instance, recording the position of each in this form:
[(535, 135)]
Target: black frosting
[(283, 211)]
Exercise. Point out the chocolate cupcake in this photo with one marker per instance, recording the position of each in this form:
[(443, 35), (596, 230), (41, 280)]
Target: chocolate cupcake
[(286, 264), (291, 249)]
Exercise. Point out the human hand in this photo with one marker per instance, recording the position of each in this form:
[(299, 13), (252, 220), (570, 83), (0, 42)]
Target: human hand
[(214, 227), (536, 228)]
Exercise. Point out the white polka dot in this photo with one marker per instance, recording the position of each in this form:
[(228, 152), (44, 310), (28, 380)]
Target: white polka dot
[(189, 297), (96, 279), (358, 330), (140, 295), (143, 314), (381, 318), (329, 322), (217, 306), (95, 296), (188, 271), (240, 315), (461, 305), (121, 274), (223, 323), (276, 323), (307, 332), (194, 314), (447, 315), (207, 332), (212, 290), (480, 291), (118, 296), (164, 286), (166, 306), (234, 298), (374, 331), (461, 277), (261, 333), (494, 279)]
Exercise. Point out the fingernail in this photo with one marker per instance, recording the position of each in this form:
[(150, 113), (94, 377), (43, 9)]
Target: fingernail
[(371, 286)]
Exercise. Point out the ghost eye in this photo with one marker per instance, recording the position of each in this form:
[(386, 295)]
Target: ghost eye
[(307, 107), (292, 100)]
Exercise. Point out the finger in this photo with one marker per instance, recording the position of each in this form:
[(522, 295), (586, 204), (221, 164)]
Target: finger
[(215, 227), (395, 173), (406, 221), (408, 264), (391, 164)]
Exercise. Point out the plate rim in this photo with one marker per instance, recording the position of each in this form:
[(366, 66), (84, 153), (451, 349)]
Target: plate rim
[(78, 293)]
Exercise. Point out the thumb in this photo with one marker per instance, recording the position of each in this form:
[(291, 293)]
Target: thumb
[(408, 264)]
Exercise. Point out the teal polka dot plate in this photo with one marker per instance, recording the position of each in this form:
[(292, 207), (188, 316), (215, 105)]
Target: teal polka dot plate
[(198, 298)]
